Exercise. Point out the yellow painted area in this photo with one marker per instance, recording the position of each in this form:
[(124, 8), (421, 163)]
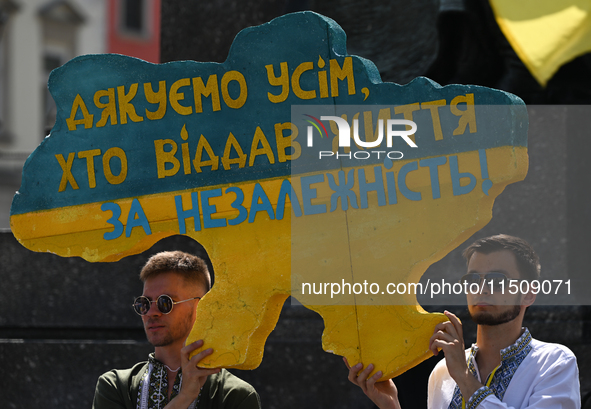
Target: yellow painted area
[(251, 290), (394, 338), (395, 245), (545, 34), (254, 262)]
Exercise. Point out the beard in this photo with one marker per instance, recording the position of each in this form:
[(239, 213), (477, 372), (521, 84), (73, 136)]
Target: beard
[(486, 318), (180, 330)]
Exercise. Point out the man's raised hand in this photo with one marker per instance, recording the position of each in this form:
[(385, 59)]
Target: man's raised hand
[(384, 394)]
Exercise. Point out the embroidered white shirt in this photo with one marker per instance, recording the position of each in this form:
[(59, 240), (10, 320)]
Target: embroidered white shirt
[(548, 377)]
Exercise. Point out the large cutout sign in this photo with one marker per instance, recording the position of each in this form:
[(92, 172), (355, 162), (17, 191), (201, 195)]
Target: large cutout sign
[(273, 162)]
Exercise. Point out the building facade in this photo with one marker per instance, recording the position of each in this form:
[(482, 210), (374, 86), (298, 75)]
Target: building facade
[(37, 36)]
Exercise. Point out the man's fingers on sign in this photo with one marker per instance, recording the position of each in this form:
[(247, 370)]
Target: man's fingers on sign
[(446, 334), (362, 378), (347, 363), (359, 378), (456, 323), (371, 382), (354, 373), (442, 332), (384, 394), (186, 351)]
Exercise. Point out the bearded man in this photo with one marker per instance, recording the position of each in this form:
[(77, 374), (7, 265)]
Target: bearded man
[(506, 368)]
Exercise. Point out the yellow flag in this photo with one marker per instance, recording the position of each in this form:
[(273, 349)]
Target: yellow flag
[(545, 34)]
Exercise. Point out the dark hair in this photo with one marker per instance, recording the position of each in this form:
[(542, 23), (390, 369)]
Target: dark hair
[(528, 261), (192, 268)]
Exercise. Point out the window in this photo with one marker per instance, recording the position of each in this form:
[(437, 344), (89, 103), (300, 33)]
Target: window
[(50, 62), (134, 16)]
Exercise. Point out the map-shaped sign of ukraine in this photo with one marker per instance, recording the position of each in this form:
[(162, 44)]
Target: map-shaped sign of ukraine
[(142, 151)]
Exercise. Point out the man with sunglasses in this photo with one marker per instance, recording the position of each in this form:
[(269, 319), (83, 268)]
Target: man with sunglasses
[(506, 368), (174, 282)]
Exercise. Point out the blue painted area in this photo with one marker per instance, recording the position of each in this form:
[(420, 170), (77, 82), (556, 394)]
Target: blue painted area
[(209, 209), (376, 186), (458, 179), (342, 190), (309, 192), (406, 192), (433, 165), (260, 203), (113, 220), (285, 192), (237, 204), (295, 39), (185, 212), (137, 218)]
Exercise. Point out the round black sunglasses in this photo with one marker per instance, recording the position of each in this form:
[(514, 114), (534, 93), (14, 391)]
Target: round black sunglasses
[(142, 304)]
